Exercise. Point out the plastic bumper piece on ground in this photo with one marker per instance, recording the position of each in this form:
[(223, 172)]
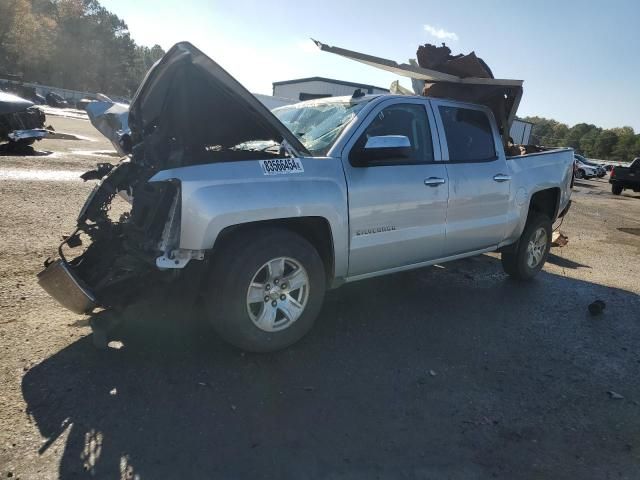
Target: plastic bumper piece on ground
[(60, 282)]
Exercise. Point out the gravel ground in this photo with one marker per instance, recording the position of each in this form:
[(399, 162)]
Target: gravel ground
[(444, 372)]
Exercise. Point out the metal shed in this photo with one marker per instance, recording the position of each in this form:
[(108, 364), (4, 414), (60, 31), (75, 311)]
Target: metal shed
[(318, 87)]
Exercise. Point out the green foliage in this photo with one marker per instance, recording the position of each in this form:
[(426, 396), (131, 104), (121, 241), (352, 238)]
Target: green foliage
[(621, 144), (75, 44)]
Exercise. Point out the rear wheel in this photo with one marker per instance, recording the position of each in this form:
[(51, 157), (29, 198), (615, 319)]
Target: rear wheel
[(580, 174), (616, 189), (525, 259), (266, 291)]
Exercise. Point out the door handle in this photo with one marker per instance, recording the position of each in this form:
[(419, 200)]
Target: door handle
[(501, 177), (434, 181)]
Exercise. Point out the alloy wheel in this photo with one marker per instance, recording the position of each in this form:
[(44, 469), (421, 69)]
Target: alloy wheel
[(278, 294)]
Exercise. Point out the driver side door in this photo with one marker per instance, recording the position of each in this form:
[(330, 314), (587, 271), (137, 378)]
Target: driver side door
[(397, 204)]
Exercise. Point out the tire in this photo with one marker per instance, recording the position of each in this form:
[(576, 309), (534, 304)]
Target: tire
[(255, 260), (516, 258), (616, 189), (580, 174)]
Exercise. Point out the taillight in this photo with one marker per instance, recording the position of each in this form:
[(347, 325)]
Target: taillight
[(613, 172)]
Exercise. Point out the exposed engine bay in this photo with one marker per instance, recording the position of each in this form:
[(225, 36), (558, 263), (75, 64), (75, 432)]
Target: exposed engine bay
[(125, 248), (188, 111)]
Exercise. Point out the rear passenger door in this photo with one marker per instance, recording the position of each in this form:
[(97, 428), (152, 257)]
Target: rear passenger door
[(397, 204), (479, 177)]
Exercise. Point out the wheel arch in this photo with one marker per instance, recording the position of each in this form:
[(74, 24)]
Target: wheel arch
[(546, 201), (316, 230)]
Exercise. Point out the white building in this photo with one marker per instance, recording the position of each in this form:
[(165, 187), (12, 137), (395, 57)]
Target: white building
[(320, 87), (273, 102)]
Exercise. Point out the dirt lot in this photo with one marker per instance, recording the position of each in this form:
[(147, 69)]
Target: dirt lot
[(452, 372)]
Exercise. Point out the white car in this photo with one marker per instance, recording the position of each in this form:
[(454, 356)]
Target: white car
[(586, 169)]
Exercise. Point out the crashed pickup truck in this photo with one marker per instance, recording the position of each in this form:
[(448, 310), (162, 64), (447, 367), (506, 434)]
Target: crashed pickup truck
[(265, 211)]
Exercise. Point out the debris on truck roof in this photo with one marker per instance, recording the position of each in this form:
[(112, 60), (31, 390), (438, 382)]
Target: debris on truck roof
[(463, 66), (413, 71), (450, 77)]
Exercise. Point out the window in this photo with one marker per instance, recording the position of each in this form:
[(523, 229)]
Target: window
[(319, 124), (409, 120), (469, 135)]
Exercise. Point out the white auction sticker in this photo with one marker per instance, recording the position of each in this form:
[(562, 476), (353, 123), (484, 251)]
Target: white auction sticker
[(279, 166)]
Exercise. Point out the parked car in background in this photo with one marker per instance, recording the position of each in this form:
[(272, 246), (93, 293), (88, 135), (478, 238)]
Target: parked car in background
[(583, 169), (623, 178), (21, 123), (55, 100), (271, 209), (588, 169), (601, 171)]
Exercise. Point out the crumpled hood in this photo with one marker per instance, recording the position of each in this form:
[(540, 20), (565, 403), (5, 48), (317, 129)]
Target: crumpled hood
[(112, 120), (189, 98)]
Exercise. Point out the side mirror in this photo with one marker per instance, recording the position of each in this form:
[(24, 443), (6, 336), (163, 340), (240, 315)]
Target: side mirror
[(382, 148)]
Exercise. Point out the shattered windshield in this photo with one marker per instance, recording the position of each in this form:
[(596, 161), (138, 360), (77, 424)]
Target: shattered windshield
[(317, 125)]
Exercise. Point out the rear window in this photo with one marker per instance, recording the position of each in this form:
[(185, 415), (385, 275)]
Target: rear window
[(468, 133)]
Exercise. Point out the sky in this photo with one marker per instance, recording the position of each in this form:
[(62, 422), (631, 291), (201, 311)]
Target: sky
[(580, 60)]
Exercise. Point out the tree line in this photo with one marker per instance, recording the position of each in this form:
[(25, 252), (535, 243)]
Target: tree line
[(620, 144), (80, 45), (74, 44)]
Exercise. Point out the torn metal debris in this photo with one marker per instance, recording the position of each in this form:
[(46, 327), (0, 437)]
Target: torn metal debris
[(464, 78), (112, 120), (463, 66)]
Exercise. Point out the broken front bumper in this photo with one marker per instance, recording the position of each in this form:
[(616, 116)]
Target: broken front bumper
[(66, 288), (22, 135)]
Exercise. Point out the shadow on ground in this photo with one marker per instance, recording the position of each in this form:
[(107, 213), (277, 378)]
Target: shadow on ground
[(565, 262), (20, 150), (632, 231), (453, 372)]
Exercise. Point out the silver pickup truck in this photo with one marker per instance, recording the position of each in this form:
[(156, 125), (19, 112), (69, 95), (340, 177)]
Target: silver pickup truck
[(264, 211)]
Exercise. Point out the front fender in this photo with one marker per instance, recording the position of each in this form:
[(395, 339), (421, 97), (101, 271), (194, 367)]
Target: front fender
[(220, 195)]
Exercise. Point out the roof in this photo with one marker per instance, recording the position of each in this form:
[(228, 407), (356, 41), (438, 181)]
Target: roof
[(329, 80)]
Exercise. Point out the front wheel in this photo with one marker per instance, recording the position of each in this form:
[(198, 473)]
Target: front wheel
[(616, 189), (526, 258), (580, 174), (265, 291)]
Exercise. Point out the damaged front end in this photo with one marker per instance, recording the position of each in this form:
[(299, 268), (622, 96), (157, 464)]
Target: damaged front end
[(123, 246), (188, 111)]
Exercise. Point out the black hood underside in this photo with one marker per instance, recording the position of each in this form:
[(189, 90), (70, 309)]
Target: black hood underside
[(189, 101)]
